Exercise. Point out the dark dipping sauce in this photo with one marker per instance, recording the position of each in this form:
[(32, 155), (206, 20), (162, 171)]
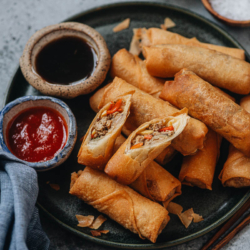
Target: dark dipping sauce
[(66, 60), (37, 134)]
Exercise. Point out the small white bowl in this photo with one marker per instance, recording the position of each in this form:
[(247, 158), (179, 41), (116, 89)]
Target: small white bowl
[(22, 103)]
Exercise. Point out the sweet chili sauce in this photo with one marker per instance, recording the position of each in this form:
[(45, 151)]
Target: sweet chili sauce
[(37, 134)]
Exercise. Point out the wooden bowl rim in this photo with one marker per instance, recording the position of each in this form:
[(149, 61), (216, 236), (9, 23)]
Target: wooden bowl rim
[(232, 22)]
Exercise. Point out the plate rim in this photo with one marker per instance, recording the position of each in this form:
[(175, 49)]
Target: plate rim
[(182, 240)]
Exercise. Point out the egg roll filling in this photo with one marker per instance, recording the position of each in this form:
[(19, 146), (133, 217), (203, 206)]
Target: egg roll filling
[(154, 132), (104, 122)]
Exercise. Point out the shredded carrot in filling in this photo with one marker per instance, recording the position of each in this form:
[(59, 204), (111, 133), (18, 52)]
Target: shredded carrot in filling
[(115, 107), (138, 145), (151, 134), (170, 128)]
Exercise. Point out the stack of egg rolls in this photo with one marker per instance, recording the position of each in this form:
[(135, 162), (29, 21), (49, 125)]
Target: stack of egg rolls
[(145, 107), (128, 163), (122, 204), (236, 170), (217, 68), (165, 156), (210, 106), (155, 36)]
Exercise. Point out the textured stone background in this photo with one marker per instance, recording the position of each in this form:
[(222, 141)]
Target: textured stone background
[(18, 21)]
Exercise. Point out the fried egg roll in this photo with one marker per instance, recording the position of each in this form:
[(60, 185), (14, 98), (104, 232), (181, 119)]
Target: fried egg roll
[(97, 145), (155, 182), (145, 107), (122, 204), (155, 36), (198, 170), (210, 106), (236, 170), (143, 146), (218, 69), (164, 157), (133, 70)]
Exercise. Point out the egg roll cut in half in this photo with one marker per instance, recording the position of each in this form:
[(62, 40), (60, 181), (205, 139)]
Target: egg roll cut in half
[(198, 170), (216, 110), (217, 68), (133, 70), (155, 36), (143, 146), (164, 157), (145, 107), (155, 182), (236, 170), (122, 204), (97, 145)]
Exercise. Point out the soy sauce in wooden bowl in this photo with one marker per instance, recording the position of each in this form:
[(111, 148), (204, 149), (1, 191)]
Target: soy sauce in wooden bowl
[(66, 60)]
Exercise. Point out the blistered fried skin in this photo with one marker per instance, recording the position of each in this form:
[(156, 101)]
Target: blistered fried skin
[(198, 170), (211, 107), (122, 204), (155, 36), (217, 68), (133, 70), (236, 170)]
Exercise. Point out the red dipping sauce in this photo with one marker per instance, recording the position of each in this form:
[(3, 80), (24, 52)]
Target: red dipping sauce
[(37, 134)]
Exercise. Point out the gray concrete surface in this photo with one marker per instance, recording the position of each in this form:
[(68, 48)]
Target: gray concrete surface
[(18, 21)]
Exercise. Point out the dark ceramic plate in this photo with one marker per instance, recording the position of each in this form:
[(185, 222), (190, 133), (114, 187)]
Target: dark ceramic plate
[(216, 206)]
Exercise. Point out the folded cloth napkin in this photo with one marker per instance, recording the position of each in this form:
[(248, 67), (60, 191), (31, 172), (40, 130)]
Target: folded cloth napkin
[(20, 226)]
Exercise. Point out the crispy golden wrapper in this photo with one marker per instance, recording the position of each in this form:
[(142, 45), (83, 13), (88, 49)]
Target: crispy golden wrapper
[(198, 170), (155, 36), (95, 153), (127, 164), (208, 105), (145, 107), (121, 203), (236, 170), (122, 26), (217, 68)]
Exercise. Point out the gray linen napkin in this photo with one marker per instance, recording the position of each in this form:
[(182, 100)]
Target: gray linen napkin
[(20, 227)]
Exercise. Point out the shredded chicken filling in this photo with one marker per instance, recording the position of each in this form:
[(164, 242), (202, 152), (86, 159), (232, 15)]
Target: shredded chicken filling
[(153, 133)]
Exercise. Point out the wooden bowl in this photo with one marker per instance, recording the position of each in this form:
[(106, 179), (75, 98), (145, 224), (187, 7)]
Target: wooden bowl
[(228, 21), (44, 36)]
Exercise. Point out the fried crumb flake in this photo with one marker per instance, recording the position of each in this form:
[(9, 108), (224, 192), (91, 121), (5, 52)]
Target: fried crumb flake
[(84, 221), (174, 208), (98, 232), (168, 23), (95, 233), (135, 45), (98, 222), (55, 186), (122, 26), (187, 217)]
